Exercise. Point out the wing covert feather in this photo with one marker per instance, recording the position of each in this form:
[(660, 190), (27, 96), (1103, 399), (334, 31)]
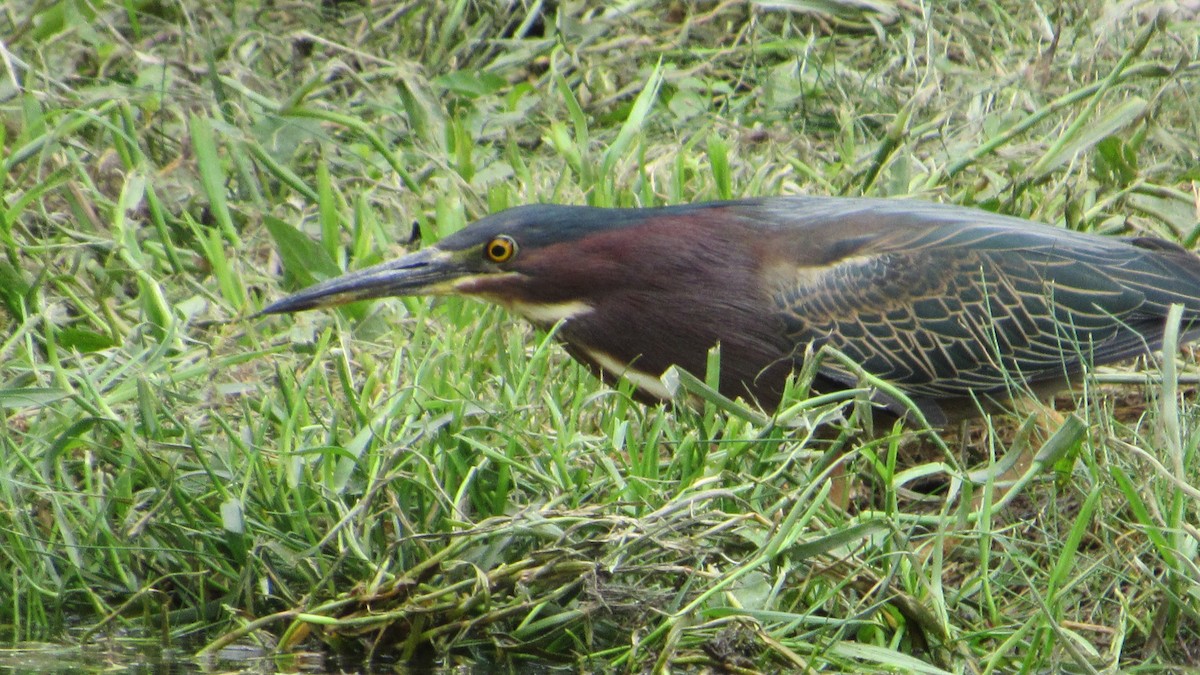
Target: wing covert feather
[(965, 308)]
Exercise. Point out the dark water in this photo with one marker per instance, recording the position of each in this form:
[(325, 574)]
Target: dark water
[(139, 657), (145, 656)]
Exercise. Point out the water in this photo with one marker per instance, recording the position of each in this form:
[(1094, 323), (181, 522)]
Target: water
[(137, 656), (140, 656)]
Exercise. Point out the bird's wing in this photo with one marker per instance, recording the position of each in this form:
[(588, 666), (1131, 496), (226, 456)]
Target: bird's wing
[(981, 307)]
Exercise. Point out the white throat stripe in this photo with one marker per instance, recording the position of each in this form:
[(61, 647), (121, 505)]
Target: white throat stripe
[(549, 314), (649, 384)]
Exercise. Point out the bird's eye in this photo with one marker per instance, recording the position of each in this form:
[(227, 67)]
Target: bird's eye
[(501, 249)]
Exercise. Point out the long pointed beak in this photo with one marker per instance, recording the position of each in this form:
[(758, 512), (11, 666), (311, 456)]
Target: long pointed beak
[(429, 271)]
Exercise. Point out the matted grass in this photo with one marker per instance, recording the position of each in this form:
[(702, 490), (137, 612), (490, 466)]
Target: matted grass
[(417, 477)]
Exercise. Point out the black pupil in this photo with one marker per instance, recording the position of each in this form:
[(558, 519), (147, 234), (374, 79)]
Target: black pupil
[(499, 250)]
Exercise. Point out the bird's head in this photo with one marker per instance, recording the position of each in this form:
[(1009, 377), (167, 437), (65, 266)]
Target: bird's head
[(544, 262)]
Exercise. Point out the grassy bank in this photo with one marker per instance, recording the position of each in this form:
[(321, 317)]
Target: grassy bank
[(417, 477)]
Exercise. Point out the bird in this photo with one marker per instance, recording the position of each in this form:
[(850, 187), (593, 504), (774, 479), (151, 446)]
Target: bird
[(950, 305)]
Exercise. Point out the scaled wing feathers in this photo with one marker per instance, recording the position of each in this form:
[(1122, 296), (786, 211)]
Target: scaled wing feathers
[(960, 308)]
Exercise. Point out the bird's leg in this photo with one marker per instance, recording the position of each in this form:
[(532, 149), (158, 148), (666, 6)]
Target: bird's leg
[(1041, 420), (1038, 422), (842, 485)]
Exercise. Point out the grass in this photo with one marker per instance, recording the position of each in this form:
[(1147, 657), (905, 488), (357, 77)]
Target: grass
[(412, 477)]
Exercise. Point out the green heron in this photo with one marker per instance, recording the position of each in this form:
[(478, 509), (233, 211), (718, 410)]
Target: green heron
[(949, 304)]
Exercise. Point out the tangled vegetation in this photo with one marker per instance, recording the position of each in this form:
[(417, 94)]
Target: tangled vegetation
[(414, 478)]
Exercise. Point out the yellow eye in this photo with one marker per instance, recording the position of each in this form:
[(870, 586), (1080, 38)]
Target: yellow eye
[(501, 249)]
